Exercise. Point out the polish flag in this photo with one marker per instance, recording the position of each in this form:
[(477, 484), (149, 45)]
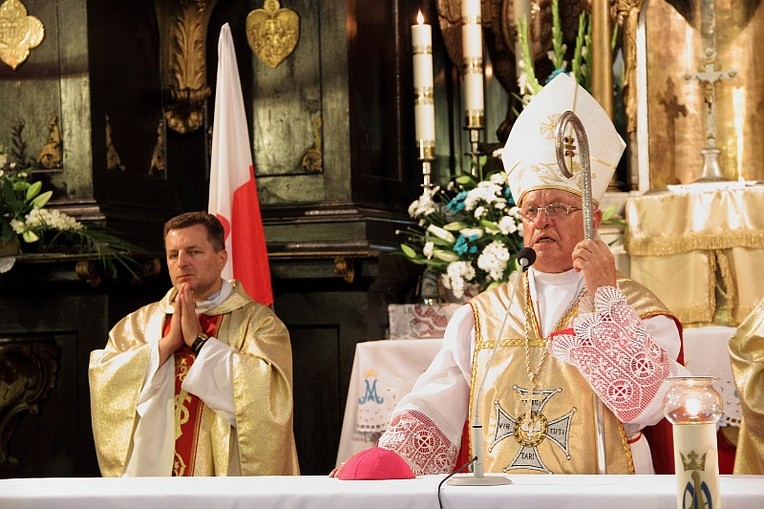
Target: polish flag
[(233, 193)]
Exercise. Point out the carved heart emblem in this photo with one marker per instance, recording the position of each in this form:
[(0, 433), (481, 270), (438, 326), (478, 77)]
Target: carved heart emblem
[(273, 32), (18, 33)]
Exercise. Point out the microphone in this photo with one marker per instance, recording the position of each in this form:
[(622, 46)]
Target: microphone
[(525, 258)]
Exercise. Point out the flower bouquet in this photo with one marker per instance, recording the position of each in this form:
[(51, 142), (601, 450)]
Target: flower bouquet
[(468, 232), (27, 225)]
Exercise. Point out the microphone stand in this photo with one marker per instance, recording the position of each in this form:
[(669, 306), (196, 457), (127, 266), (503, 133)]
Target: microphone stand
[(525, 258)]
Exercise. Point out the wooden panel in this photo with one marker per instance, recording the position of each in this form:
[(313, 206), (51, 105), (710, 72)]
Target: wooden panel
[(316, 396), (58, 441), (381, 102)]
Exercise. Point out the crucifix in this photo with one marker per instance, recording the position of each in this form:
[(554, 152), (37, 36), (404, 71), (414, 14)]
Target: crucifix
[(709, 77), (530, 398)]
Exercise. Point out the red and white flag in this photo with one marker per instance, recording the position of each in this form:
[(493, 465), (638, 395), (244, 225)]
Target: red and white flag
[(233, 192)]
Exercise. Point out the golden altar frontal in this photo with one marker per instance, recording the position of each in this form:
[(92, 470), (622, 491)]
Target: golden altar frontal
[(701, 251)]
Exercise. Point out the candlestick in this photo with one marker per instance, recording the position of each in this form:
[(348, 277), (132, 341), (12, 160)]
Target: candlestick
[(424, 101), (472, 52), (693, 406)]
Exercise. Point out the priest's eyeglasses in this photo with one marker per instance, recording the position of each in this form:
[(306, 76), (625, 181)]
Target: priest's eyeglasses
[(553, 211)]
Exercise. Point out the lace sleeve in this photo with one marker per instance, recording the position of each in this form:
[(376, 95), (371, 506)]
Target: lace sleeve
[(417, 440), (616, 355)]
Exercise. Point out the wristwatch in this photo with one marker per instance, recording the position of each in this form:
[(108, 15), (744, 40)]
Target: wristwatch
[(198, 343)]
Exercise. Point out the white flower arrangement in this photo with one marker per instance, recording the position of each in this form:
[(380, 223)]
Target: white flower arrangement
[(26, 225), (468, 232)]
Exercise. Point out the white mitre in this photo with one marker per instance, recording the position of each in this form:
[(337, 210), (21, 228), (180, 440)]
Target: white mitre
[(530, 158)]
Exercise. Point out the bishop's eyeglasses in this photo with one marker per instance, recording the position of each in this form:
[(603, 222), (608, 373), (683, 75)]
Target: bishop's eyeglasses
[(552, 210)]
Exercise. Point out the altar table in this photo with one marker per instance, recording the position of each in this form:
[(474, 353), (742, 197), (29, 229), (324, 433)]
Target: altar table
[(701, 252), (527, 491)]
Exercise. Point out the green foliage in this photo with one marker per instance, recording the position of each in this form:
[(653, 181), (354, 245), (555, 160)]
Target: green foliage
[(25, 219), (579, 67)]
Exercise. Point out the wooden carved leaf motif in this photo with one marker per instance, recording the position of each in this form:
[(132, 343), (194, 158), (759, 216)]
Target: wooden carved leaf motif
[(273, 32), (18, 33)]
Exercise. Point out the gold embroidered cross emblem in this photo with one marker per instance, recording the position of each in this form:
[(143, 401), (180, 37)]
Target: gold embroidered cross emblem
[(531, 428)]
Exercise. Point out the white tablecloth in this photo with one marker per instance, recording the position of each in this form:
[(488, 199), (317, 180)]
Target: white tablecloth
[(527, 491), (383, 372)]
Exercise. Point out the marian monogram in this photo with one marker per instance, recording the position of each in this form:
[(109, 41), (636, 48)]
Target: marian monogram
[(370, 393), (531, 428)]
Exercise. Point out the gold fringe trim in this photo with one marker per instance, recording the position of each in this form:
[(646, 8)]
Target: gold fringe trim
[(698, 314), (700, 241)]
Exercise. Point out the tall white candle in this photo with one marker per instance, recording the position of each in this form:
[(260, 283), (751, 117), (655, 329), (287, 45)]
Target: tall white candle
[(424, 104), (472, 52), (696, 461), (693, 406)]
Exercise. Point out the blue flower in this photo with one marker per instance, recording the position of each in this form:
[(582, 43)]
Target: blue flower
[(509, 197), (554, 74), (466, 245), (456, 204)]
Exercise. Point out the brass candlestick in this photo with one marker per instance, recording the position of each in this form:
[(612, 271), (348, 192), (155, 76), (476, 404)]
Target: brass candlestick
[(426, 156), (475, 152)]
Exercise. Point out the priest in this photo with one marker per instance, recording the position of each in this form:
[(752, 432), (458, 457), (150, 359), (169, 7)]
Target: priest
[(199, 383), (526, 358)]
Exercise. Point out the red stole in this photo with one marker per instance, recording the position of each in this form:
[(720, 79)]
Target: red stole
[(188, 407)]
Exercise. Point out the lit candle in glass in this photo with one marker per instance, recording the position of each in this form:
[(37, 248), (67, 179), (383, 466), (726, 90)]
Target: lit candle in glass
[(693, 406), (424, 104), (472, 52)]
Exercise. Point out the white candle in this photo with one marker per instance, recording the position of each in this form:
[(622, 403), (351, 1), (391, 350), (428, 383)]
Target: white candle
[(424, 104), (472, 52), (693, 407), (696, 461)]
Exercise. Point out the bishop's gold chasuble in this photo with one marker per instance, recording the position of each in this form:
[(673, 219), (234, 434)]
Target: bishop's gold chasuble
[(537, 412)]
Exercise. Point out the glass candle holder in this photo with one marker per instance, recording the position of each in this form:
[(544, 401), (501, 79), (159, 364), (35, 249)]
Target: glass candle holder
[(693, 407)]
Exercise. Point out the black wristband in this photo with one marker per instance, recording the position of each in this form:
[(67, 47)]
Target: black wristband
[(198, 343)]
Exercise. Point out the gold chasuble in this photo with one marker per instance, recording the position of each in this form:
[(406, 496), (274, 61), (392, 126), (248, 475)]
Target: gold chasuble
[(747, 358), (538, 412), (262, 440)]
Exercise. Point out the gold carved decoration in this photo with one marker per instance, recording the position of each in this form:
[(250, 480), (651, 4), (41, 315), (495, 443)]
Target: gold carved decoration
[(112, 156), (628, 16), (18, 33), (27, 375), (313, 160), (273, 32), (49, 157), (183, 39), (344, 267), (88, 271), (157, 157)]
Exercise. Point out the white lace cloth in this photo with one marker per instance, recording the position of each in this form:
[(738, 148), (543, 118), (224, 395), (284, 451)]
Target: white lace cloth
[(416, 439), (615, 354)]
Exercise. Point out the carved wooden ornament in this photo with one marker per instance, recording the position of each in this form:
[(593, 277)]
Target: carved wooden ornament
[(18, 33), (273, 32)]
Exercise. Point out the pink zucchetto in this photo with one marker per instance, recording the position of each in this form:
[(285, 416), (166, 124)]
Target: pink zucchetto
[(376, 464)]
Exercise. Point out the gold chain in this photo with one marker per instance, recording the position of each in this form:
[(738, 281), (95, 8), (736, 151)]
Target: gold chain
[(530, 315)]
